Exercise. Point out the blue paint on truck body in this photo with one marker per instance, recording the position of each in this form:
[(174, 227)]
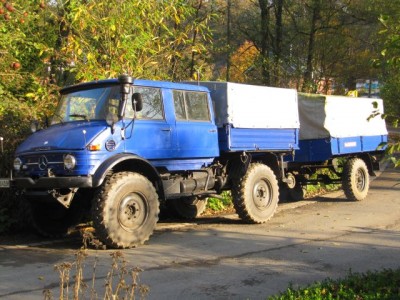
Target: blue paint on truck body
[(319, 150)]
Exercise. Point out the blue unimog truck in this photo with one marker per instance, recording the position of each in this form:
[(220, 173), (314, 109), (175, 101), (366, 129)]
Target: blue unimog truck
[(122, 148)]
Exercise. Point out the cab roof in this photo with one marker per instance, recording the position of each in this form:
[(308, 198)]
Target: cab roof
[(136, 82)]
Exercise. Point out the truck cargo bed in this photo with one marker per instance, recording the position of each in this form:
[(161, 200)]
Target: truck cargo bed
[(244, 139), (255, 118)]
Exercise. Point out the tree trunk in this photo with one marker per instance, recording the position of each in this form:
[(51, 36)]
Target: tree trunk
[(307, 83), (278, 41), (228, 39), (193, 61), (265, 45)]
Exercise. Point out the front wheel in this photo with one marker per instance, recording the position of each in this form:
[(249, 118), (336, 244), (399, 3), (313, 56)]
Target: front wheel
[(125, 210), (355, 179), (256, 195)]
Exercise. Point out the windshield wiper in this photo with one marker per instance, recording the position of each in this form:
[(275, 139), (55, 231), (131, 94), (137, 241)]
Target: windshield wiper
[(79, 116)]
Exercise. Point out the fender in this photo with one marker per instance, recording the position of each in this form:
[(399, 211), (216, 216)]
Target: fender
[(128, 162)]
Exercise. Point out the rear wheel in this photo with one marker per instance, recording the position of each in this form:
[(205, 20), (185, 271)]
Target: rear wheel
[(355, 179), (125, 210), (256, 195)]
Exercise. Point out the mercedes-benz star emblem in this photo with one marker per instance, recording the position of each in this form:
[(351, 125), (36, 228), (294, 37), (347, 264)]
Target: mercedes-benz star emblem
[(43, 162)]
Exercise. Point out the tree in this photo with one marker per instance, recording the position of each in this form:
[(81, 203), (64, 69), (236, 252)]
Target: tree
[(24, 91), (151, 39)]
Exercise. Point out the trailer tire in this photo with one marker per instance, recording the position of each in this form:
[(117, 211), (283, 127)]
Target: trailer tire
[(256, 194), (125, 210), (355, 179), (187, 207)]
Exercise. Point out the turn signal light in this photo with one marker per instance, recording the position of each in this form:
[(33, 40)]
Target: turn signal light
[(94, 147)]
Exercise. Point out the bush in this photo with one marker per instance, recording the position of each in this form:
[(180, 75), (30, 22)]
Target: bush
[(371, 285), (220, 204)]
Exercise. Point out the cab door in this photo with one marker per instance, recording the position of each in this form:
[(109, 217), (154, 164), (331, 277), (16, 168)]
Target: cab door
[(196, 133), (150, 135)]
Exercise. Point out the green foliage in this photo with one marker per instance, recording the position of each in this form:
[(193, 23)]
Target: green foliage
[(390, 62), (370, 285), (220, 204), (150, 39), (321, 186)]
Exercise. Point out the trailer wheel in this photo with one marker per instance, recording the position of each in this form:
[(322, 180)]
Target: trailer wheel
[(125, 210), (51, 219), (256, 195), (187, 207), (355, 179)]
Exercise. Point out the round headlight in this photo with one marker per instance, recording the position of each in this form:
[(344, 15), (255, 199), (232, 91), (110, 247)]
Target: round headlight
[(69, 162), (17, 164)]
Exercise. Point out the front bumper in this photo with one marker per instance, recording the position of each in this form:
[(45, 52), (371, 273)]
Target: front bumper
[(52, 182)]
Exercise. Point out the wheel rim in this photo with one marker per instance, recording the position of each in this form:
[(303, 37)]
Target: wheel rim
[(262, 194), (132, 211), (360, 180)]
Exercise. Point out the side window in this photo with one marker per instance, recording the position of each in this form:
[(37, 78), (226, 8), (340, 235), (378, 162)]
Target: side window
[(191, 106), (152, 104), (197, 106), (179, 104)]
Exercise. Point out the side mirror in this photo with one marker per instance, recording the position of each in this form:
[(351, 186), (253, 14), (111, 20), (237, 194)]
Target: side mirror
[(137, 102), (34, 126)]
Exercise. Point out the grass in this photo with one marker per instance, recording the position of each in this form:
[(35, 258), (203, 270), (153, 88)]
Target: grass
[(360, 286)]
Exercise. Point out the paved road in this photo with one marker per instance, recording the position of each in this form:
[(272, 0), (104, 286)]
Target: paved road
[(220, 258)]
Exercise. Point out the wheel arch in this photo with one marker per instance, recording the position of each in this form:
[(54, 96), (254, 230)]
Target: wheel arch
[(271, 160), (129, 162), (238, 167)]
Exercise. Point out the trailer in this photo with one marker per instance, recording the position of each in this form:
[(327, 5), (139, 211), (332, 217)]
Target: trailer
[(346, 135)]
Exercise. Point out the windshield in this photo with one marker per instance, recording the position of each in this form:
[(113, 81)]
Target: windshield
[(93, 104)]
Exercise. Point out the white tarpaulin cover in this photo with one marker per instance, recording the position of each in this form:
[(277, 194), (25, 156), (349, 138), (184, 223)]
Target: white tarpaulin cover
[(338, 116), (251, 106)]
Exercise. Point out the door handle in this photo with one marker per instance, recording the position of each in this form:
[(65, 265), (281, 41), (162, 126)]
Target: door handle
[(212, 130), (166, 129)]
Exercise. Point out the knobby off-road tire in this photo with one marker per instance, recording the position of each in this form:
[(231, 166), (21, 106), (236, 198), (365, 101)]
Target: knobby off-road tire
[(187, 207), (256, 195), (51, 219), (355, 179), (125, 210)]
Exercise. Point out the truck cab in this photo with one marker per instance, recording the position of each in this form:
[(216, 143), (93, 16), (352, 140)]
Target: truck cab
[(92, 124), (152, 128)]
